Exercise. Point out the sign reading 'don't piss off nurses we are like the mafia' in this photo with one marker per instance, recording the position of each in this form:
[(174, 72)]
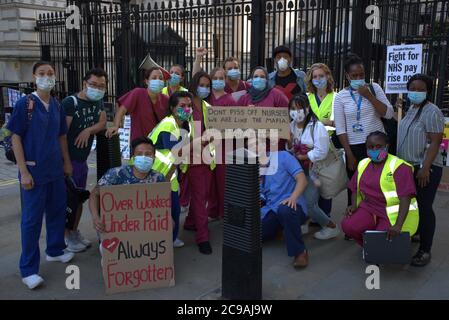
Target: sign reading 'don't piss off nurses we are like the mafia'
[(258, 118), (403, 61), (137, 245)]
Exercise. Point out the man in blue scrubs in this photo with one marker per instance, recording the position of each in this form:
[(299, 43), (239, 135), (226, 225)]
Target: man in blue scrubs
[(282, 186), (40, 147)]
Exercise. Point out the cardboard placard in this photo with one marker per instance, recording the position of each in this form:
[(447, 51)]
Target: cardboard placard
[(138, 245), (403, 61), (222, 118)]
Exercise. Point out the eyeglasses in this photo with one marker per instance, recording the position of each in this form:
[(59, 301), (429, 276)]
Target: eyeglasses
[(96, 86)]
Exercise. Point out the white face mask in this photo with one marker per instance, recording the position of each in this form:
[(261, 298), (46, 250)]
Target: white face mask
[(283, 64), (297, 115)]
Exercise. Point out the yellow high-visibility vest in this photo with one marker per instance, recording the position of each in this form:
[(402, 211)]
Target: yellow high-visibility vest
[(324, 110), (164, 157), (388, 187), (166, 91)]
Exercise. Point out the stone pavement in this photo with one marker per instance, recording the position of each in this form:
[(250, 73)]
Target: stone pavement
[(336, 269)]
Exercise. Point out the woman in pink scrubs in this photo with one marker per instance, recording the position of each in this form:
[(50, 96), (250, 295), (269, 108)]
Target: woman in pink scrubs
[(199, 173), (219, 98), (371, 213), (262, 94)]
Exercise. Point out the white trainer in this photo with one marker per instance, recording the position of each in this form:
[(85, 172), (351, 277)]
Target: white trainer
[(327, 233), (73, 243), (305, 229), (64, 258), (83, 240), (33, 281), (178, 243)]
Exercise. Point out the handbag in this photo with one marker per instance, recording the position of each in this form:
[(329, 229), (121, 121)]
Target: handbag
[(331, 172)]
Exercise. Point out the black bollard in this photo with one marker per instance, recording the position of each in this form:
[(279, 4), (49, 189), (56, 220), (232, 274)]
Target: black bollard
[(108, 153), (242, 237)]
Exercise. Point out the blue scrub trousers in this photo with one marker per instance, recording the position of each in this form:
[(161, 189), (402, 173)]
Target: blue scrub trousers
[(290, 221), (50, 198), (175, 212)]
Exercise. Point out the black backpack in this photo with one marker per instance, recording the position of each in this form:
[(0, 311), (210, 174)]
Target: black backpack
[(7, 142)]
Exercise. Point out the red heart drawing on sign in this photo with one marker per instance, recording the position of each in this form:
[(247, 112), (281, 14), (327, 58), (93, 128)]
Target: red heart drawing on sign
[(110, 244)]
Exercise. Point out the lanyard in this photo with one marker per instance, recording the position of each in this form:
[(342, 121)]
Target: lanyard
[(358, 103)]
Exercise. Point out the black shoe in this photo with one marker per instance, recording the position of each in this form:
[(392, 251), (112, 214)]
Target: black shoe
[(205, 247), (421, 258), (348, 238)]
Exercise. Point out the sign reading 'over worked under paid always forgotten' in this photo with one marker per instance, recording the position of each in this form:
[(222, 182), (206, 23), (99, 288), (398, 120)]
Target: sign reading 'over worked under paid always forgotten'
[(138, 245), (260, 118)]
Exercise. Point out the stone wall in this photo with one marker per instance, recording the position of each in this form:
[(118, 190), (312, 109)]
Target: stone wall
[(19, 42)]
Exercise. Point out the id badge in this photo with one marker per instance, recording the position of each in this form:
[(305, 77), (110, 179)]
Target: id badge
[(357, 127)]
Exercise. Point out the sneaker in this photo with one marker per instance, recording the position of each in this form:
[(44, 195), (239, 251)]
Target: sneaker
[(178, 243), (301, 260), (83, 240), (64, 258), (73, 244), (304, 229), (33, 281), (421, 259), (205, 247), (327, 233)]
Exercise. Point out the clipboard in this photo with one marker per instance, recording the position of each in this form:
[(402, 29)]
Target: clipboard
[(379, 250)]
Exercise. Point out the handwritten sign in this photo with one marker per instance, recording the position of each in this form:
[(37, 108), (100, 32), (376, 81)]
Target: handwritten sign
[(222, 118), (137, 246), (403, 61)]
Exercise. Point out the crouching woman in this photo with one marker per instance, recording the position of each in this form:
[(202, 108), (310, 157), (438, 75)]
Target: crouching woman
[(383, 193)]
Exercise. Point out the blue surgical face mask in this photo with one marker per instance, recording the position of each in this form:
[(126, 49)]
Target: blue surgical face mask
[(218, 85), (175, 79), (45, 83), (94, 94), (143, 164), (320, 83), (156, 86), (259, 83), (355, 84), (234, 74), (203, 92), (416, 97)]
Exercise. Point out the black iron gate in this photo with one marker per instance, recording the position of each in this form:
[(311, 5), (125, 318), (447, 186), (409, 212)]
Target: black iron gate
[(117, 36)]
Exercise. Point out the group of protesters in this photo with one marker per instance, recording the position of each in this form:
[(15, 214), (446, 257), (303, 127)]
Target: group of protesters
[(386, 192)]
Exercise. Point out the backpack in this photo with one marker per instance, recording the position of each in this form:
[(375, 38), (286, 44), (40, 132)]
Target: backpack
[(7, 142)]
